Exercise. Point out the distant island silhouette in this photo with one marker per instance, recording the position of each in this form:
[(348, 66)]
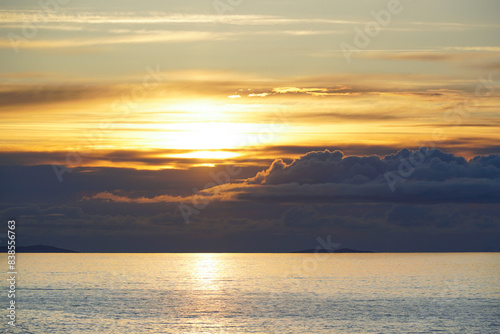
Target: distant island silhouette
[(340, 250), (38, 249)]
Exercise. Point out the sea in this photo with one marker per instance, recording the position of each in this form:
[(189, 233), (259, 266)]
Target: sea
[(254, 293)]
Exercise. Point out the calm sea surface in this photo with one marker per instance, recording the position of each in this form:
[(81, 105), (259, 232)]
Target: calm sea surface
[(256, 293)]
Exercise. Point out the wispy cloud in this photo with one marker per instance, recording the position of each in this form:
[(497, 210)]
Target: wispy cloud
[(474, 48), (423, 56), (18, 16), (163, 36), (82, 17), (313, 91)]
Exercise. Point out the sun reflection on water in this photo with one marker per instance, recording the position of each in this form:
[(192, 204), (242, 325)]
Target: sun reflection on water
[(207, 269)]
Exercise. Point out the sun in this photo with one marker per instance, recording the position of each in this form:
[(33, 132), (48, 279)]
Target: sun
[(208, 130), (213, 155), (214, 135), (212, 140)]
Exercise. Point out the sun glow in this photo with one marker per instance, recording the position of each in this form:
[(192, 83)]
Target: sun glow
[(209, 136), (216, 155)]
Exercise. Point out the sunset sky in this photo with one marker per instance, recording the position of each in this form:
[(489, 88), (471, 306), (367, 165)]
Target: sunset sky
[(145, 101)]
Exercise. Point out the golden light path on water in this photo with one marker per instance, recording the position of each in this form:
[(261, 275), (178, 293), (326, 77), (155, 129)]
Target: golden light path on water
[(257, 293)]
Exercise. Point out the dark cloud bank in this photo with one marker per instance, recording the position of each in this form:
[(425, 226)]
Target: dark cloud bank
[(425, 200), (424, 175)]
